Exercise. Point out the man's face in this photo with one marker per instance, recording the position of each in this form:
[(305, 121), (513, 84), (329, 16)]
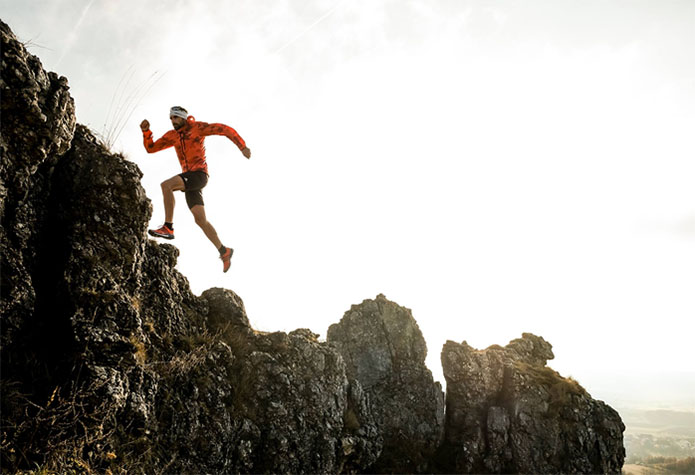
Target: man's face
[(177, 122)]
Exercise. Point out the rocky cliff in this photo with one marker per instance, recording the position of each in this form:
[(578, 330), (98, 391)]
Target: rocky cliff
[(507, 412), (109, 362)]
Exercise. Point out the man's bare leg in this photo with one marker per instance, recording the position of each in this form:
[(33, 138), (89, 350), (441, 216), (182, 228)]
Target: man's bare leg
[(201, 220), (175, 183)]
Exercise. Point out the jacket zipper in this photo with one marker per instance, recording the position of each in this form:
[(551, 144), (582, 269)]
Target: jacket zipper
[(183, 152)]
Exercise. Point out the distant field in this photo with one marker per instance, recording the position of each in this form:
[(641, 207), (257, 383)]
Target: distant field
[(659, 422), (656, 433), (632, 469)]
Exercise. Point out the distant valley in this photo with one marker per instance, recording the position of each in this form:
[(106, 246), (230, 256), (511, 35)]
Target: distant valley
[(654, 433)]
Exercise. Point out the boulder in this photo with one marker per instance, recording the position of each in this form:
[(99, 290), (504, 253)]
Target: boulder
[(385, 352), (507, 412)]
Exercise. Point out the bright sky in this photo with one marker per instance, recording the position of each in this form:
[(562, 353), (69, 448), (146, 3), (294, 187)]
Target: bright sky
[(495, 166)]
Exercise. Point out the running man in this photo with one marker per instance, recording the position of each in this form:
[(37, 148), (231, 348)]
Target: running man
[(187, 138)]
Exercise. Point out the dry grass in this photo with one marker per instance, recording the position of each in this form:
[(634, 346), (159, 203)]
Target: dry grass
[(140, 352), (66, 434), (561, 389), (125, 100)]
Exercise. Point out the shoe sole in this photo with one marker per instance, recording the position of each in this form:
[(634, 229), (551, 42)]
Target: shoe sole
[(152, 233)]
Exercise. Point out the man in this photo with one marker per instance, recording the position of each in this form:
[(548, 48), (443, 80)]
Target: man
[(187, 138)]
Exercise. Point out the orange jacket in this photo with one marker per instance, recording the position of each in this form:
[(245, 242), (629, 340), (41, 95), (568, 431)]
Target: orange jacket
[(189, 142)]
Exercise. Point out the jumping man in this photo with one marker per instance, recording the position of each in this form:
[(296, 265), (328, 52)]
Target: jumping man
[(187, 139)]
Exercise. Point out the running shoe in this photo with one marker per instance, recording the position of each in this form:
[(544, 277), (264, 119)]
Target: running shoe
[(163, 232), (226, 258)]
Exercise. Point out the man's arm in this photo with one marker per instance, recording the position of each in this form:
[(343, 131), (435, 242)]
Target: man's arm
[(165, 141), (221, 129)]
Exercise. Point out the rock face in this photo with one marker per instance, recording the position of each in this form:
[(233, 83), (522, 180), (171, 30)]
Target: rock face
[(385, 352), (38, 123), (507, 412), (109, 362)]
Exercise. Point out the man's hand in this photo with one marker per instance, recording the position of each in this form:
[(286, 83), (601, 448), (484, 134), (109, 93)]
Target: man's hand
[(247, 152), (145, 125)]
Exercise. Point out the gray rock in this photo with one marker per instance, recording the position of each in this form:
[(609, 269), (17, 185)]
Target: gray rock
[(507, 412), (37, 126), (385, 352)]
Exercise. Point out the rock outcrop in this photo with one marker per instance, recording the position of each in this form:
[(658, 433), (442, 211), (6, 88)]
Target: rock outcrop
[(38, 123), (507, 412), (110, 362), (385, 352)]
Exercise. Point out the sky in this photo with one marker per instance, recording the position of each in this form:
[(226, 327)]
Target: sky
[(497, 167)]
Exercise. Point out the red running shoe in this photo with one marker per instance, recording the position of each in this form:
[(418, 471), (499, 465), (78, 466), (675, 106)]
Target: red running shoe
[(226, 257), (163, 232)]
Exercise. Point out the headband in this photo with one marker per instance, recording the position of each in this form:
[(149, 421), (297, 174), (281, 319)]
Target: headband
[(177, 111)]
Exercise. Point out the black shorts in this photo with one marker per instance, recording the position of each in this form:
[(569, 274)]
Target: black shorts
[(194, 182)]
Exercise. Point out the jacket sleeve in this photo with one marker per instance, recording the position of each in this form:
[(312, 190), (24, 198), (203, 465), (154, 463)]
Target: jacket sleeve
[(167, 140), (221, 129)]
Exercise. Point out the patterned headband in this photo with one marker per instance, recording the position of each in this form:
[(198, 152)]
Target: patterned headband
[(177, 111)]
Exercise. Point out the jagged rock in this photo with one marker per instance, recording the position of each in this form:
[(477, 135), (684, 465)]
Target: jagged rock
[(225, 308), (385, 351), (507, 412), (36, 129), (293, 397)]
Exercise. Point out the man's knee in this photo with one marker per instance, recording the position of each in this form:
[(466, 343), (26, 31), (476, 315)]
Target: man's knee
[(200, 221), (199, 217), (172, 184)]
